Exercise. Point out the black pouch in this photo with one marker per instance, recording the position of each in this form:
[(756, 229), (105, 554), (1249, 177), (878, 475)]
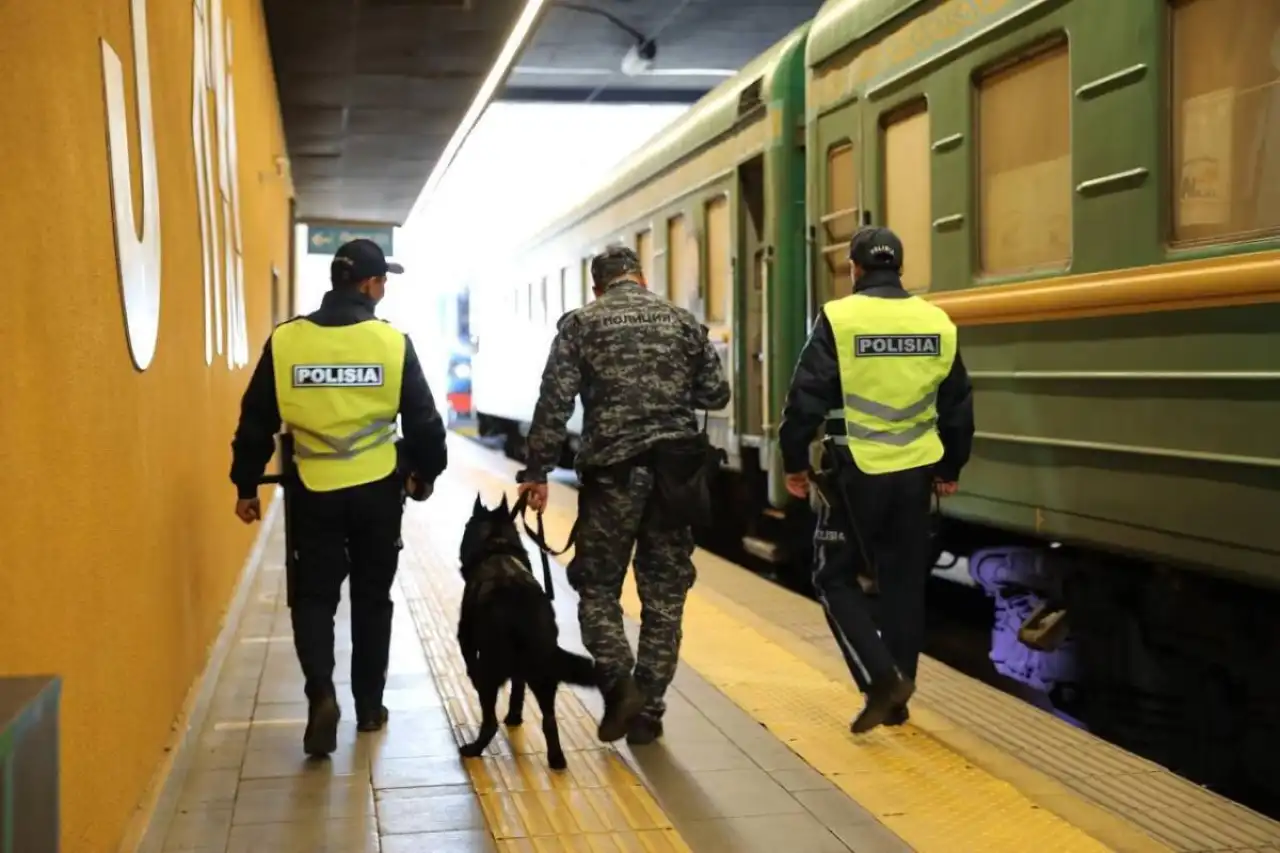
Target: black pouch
[(682, 473)]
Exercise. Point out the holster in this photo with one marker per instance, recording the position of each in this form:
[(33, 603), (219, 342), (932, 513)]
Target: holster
[(827, 478), (683, 470)]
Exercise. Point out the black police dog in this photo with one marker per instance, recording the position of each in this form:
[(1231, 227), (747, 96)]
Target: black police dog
[(507, 630)]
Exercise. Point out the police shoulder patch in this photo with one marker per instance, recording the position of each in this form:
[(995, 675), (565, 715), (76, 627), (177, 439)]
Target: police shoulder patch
[(337, 375), (897, 345)]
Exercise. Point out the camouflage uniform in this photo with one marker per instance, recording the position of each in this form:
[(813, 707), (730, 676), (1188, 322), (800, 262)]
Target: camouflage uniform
[(642, 367)]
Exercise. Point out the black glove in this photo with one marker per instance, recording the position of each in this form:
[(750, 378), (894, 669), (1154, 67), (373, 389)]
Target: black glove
[(417, 489)]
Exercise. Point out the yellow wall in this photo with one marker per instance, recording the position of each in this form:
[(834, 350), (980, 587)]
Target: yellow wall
[(118, 547)]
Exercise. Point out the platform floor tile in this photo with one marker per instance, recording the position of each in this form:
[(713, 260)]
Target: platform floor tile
[(250, 788), (717, 780), (925, 793)]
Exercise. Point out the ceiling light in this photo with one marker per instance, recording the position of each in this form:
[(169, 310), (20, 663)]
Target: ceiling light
[(639, 59)]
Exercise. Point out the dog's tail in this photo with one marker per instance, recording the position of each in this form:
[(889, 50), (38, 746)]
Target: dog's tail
[(575, 669)]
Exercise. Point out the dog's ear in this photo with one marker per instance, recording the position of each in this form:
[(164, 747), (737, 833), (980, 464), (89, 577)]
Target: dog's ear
[(504, 506), (479, 507)]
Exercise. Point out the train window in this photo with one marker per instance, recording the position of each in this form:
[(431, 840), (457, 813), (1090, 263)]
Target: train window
[(719, 280), (1226, 120), (841, 217), (908, 203), (644, 248), (555, 296), (538, 302), (682, 262), (571, 295), (1024, 164)]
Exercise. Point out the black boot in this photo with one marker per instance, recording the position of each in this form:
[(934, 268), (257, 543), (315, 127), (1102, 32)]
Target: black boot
[(644, 730), (371, 717), (321, 736), (622, 702), (883, 698)]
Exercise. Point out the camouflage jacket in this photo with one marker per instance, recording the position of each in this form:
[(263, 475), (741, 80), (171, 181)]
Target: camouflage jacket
[(642, 366)]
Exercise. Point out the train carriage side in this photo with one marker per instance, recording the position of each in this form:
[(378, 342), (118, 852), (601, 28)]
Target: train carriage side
[(1093, 193), (1091, 190), (714, 206)]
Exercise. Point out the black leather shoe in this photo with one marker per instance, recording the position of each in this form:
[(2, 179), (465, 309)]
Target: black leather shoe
[(883, 700), (622, 703), (321, 736), (371, 719), (898, 716), (644, 731)]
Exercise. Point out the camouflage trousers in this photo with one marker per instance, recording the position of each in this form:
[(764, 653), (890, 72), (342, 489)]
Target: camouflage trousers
[(611, 521)]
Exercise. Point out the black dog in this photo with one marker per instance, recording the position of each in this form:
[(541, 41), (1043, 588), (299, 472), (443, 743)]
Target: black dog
[(507, 630)]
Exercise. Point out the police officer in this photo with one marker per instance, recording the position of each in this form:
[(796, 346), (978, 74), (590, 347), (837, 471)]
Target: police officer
[(882, 369), (337, 378), (642, 367)]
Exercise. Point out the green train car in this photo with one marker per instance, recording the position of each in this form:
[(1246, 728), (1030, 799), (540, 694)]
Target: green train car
[(714, 205), (1091, 189)]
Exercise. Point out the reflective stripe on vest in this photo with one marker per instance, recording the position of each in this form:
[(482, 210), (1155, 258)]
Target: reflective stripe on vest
[(345, 448), (339, 393), (893, 354)]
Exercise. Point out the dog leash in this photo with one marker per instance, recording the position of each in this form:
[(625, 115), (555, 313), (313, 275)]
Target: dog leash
[(539, 538)]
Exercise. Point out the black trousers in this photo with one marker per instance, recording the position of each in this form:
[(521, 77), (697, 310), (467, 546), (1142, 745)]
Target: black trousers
[(876, 526), (349, 532)]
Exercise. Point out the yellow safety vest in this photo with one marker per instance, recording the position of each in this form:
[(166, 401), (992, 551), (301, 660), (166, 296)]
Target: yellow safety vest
[(893, 355), (339, 393)]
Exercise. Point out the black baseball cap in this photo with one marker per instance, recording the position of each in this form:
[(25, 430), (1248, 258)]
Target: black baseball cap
[(614, 262), (874, 248), (361, 259)]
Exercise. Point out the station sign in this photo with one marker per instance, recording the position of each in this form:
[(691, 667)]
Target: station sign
[(324, 239)]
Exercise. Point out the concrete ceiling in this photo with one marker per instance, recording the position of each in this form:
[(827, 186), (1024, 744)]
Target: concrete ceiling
[(372, 90)]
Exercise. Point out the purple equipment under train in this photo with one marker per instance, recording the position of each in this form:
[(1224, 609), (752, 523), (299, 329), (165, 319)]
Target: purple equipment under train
[(1014, 577)]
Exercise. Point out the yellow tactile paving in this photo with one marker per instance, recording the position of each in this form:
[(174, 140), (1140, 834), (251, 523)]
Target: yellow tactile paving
[(597, 804), (926, 793), (930, 796)]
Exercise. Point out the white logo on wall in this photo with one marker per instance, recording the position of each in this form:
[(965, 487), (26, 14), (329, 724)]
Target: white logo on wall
[(138, 259), (212, 76)]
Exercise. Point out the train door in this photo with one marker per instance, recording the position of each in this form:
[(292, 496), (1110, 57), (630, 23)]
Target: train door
[(752, 295), (644, 248), (717, 300)]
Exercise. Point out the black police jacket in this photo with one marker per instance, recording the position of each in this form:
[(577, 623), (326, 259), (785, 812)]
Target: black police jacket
[(815, 390), (422, 449)]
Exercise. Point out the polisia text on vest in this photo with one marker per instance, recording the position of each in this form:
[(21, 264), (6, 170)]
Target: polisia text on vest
[(882, 345), (337, 375)]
